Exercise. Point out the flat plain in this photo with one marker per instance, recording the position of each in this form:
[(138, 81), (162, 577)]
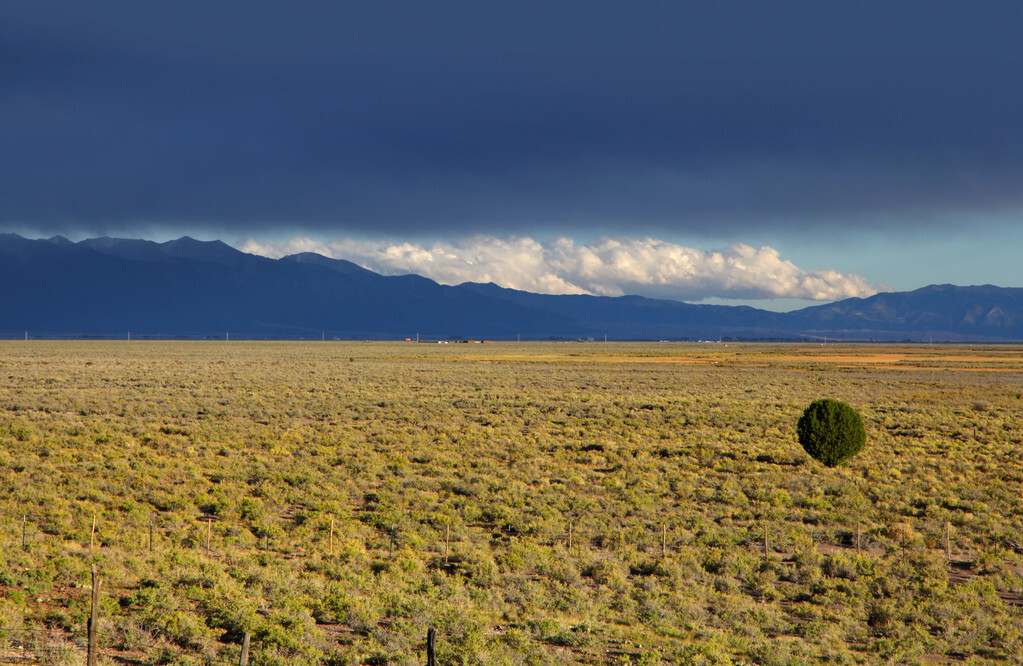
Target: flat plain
[(536, 503)]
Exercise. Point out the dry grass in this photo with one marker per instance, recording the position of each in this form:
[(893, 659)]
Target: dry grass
[(453, 475)]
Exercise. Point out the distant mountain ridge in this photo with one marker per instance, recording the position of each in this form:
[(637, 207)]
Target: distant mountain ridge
[(185, 287)]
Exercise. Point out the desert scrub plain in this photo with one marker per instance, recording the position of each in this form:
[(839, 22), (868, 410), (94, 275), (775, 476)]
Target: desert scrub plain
[(536, 503)]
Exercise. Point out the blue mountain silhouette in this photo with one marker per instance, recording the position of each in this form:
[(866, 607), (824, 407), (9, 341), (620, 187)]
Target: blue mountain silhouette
[(109, 287)]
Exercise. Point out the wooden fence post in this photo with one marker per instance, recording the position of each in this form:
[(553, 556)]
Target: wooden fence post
[(244, 661), (664, 541), (857, 538), (93, 626), (431, 647), (948, 540), (24, 529), (332, 535), (209, 528)]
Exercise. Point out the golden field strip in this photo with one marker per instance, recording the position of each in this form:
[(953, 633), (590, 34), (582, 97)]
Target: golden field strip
[(536, 503)]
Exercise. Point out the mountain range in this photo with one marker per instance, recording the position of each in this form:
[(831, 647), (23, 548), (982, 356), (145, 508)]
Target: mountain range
[(107, 287)]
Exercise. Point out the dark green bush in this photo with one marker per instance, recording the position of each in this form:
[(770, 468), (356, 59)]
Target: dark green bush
[(831, 431)]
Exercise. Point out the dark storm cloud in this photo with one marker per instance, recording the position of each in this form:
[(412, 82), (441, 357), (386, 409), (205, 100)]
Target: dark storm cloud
[(391, 116)]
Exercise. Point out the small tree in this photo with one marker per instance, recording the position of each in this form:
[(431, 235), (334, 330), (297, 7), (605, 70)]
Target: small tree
[(831, 431)]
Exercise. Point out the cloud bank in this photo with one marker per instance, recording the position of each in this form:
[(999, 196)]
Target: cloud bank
[(608, 267), (671, 119)]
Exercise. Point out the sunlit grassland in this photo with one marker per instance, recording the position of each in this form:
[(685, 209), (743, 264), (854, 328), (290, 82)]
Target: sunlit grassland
[(355, 494)]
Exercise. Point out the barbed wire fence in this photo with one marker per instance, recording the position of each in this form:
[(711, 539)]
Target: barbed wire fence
[(40, 646), (309, 534)]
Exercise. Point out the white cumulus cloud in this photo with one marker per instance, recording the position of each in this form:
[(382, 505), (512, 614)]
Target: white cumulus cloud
[(607, 267)]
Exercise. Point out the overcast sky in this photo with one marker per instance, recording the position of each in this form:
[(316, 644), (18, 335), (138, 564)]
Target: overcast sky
[(734, 149)]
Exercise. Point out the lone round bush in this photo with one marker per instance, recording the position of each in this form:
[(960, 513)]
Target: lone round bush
[(831, 431)]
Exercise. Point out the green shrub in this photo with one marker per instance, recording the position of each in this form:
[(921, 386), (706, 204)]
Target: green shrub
[(831, 431)]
